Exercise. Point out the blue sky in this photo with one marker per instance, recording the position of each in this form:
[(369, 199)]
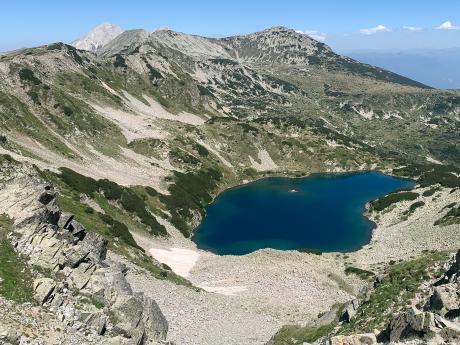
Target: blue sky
[(342, 23)]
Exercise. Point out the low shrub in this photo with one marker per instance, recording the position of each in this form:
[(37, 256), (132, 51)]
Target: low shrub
[(363, 274), (382, 203)]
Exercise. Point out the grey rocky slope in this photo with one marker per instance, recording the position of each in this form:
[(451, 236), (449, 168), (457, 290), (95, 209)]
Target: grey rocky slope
[(139, 137), (98, 37), (84, 293)]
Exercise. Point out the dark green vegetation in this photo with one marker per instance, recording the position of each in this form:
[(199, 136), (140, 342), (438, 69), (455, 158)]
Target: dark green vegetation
[(120, 213), (431, 174), (16, 277), (27, 75), (297, 335), (399, 286), (310, 251), (190, 191), (390, 199), (363, 274), (415, 206), (451, 217), (430, 192), (128, 198)]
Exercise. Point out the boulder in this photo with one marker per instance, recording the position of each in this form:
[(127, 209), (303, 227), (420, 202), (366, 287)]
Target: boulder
[(448, 330), (155, 322), (74, 256), (128, 311), (47, 196), (355, 339), (43, 289), (117, 282), (96, 245), (349, 311), (453, 274), (445, 297), (65, 219), (9, 336), (97, 322), (414, 322), (82, 274)]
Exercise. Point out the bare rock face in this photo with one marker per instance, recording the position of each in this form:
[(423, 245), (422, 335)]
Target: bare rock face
[(355, 339), (445, 297), (414, 322), (43, 289), (98, 37), (349, 311), (77, 259)]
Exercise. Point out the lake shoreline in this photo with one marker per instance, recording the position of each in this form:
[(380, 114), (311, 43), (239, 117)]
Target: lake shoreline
[(332, 181), (261, 291)]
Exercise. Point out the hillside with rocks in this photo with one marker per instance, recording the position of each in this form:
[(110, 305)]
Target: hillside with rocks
[(112, 147)]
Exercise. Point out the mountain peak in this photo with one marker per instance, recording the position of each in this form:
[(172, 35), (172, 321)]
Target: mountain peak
[(98, 37)]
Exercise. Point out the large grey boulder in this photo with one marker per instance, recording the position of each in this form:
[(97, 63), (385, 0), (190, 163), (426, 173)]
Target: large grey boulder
[(415, 322), (154, 320), (349, 311), (128, 312), (96, 321), (453, 274), (445, 297), (43, 289), (96, 245)]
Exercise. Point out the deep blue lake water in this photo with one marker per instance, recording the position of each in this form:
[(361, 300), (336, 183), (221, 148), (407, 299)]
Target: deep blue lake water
[(325, 212)]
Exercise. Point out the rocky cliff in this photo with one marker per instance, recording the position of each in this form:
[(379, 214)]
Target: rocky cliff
[(85, 294)]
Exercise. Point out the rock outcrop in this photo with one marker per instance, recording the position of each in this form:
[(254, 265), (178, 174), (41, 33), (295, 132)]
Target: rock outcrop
[(85, 290), (414, 322)]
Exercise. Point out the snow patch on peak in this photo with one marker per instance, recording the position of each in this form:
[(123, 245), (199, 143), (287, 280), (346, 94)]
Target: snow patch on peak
[(98, 37)]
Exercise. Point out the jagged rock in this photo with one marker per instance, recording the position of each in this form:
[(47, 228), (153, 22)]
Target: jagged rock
[(379, 279), (77, 258), (445, 297), (97, 246), (65, 220), (332, 315), (349, 311), (154, 320), (117, 281), (447, 329), (96, 321), (355, 339), (81, 275), (75, 255), (43, 289), (46, 197), (416, 322), (9, 336), (410, 322), (453, 273), (128, 311)]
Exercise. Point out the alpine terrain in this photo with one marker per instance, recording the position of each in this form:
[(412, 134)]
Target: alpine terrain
[(111, 148)]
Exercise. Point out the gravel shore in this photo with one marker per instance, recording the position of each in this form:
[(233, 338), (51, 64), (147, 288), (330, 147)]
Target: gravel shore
[(246, 299)]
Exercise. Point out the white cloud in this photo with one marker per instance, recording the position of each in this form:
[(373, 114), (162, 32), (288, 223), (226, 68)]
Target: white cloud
[(412, 28), (316, 35), (447, 26), (374, 30)]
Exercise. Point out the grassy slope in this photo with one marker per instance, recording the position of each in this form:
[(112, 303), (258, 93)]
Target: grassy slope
[(16, 277)]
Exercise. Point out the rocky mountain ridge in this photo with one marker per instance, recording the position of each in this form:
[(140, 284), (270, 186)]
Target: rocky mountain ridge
[(139, 137)]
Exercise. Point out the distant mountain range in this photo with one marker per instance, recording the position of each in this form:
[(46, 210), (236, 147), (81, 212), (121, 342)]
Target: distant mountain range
[(435, 67)]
